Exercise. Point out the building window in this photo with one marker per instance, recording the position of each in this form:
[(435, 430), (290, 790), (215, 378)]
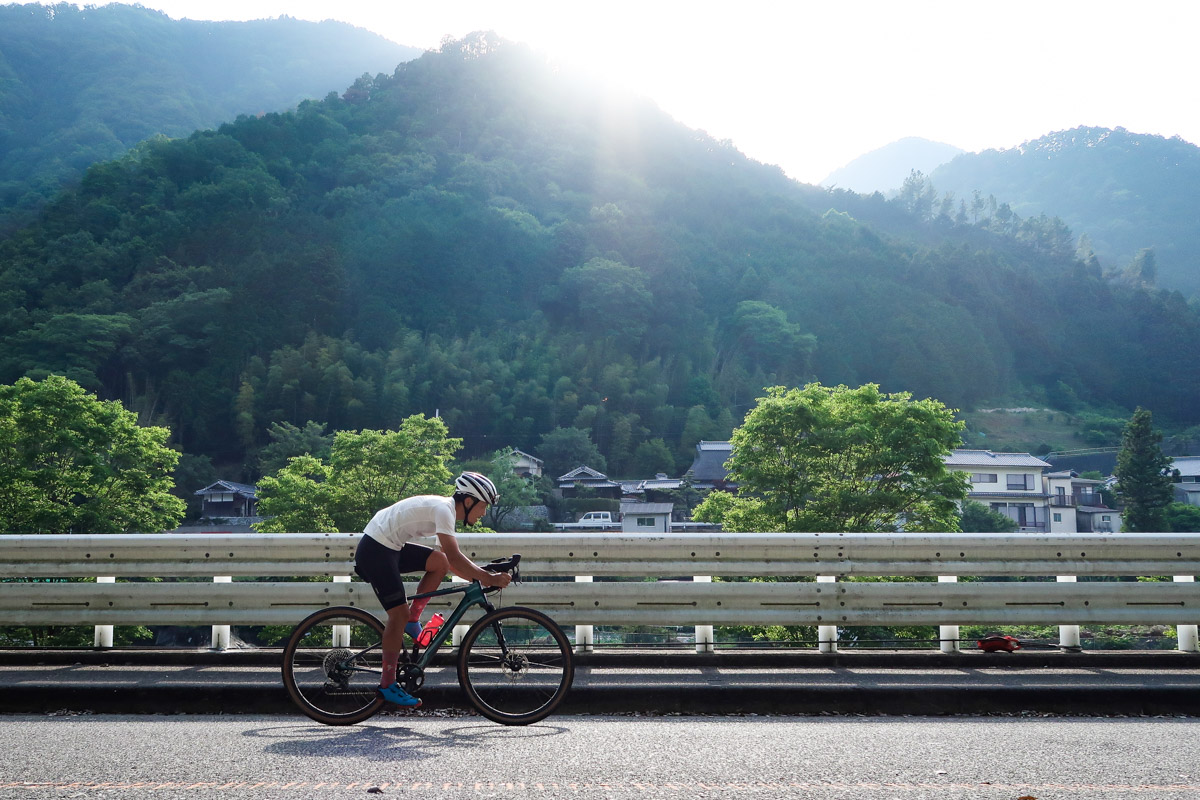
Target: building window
[(1019, 481), (645, 522), (1058, 517), (984, 477)]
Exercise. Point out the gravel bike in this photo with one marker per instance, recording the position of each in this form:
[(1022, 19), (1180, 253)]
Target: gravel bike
[(515, 664)]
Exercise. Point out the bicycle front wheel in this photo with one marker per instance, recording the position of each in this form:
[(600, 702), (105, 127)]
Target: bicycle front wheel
[(515, 665), (332, 664)]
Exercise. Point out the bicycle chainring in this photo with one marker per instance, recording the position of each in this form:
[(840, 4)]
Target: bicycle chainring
[(411, 677)]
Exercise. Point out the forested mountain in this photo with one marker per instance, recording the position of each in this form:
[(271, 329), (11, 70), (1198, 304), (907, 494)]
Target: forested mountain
[(885, 169), (83, 85), (1125, 191), (485, 235)]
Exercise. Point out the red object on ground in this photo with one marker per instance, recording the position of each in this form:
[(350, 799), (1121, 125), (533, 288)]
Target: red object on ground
[(995, 644)]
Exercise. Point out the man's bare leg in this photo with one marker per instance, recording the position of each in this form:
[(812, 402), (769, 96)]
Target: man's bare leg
[(436, 568), (393, 642)]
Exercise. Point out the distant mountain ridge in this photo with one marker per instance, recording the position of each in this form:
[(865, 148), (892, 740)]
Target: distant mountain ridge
[(1126, 191), (510, 246), (885, 169), (83, 85)]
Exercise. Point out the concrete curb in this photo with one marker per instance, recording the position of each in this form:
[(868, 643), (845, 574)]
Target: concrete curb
[(663, 659), (633, 682)]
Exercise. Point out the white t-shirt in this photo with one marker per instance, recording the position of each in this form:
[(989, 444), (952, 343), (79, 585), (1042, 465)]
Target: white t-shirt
[(412, 518)]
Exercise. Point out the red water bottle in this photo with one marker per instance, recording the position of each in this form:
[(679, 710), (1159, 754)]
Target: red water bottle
[(430, 630)]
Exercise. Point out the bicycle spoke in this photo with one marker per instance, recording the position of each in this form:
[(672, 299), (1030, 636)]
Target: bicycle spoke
[(327, 670), (516, 668)]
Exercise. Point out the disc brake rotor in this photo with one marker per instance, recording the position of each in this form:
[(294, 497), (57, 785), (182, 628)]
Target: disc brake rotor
[(515, 667)]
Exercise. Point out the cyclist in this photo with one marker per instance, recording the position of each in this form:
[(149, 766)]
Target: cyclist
[(386, 550)]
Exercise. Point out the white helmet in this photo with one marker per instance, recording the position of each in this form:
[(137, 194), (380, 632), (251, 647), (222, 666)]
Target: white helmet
[(477, 486)]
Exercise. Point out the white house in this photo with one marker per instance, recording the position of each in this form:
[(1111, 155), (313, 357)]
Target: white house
[(1010, 483), (1017, 485), (1076, 505), (525, 465)]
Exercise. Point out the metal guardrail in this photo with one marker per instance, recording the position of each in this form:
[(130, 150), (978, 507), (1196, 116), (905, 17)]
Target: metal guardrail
[(661, 598)]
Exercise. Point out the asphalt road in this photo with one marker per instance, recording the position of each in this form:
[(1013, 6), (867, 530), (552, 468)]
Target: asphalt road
[(448, 755)]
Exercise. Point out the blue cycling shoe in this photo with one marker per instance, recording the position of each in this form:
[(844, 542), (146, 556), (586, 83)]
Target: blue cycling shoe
[(394, 694), (413, 629)]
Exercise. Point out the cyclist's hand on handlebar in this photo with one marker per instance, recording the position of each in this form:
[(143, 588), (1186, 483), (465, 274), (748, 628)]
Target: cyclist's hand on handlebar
[(497, 579)]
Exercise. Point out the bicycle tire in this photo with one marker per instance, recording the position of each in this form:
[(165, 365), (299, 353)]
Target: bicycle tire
[(531, 682), (323, 679)]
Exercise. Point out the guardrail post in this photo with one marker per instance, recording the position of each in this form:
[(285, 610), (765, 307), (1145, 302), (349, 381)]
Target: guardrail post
[(103, 636), (827, 635), (341, 633), (220, 633), (704, 633), (1068, 635), (948, 634), (1186, 633), (584, 643)]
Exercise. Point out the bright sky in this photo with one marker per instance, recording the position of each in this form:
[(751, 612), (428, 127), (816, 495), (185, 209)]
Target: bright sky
[(812, 84)]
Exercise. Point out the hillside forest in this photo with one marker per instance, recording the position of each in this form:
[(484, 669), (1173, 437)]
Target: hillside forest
[(487, 237), (81, 85)]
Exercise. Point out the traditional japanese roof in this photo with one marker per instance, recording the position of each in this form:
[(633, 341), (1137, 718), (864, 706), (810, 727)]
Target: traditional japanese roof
[(583, 474), (229, 486), (986, 458), (709, 464), (587, 477)]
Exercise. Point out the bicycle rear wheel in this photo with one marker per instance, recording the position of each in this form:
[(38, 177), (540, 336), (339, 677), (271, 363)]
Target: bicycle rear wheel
[(515, 665), (332, 663)]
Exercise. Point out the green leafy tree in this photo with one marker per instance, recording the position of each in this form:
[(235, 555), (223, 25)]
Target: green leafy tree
[(978, 518), (516, 491), (1183, 518), (839, 459), (289, 441), (367, 470), (1143, 476), (564, 449), (652, 457), (71, 463)]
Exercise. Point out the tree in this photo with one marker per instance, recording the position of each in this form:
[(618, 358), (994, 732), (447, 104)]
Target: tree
[(838, 459), (652, 457), (978, 518), (367, 470), (1182, 518), (288, 441), (516, 491), (1143, 476), (564, 449), (72, 463)]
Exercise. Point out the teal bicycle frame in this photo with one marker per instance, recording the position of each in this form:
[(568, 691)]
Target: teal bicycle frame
[(473, 595)]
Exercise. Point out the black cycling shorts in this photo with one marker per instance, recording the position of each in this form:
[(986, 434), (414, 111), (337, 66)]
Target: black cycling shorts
[(381, 566)]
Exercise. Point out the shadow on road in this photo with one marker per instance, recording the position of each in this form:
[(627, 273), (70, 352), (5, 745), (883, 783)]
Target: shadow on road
[(378, 742)]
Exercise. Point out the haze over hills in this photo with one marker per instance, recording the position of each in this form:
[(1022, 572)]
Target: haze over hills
[(83, 85), (885, 169), (525, 252), (1126, 191)]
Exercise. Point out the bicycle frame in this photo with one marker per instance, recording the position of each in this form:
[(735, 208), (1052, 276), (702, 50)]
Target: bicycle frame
[(473, 595)]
